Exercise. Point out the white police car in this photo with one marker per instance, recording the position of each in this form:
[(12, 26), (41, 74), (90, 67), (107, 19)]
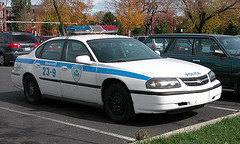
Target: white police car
[(120, 74)]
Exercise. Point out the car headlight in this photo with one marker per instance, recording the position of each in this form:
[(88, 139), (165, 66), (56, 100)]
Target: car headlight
[(162, 83), (212, 76)]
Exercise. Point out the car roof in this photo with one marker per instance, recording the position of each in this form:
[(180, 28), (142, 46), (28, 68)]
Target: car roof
[(189, 35), (94, 36)]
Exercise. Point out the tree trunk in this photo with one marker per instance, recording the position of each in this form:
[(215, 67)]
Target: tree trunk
[(59, 17)]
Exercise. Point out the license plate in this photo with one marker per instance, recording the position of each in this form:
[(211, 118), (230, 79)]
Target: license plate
[(27, 49)]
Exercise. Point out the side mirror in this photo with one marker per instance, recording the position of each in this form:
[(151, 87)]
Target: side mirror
[(218, 53), (85, 59), (158, 52)]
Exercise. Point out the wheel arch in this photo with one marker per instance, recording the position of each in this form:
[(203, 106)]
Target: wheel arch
[(25, 75), (110, 81)]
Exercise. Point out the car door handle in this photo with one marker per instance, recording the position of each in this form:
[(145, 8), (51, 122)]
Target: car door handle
[(64, 68), (196, 61), (37, 64)]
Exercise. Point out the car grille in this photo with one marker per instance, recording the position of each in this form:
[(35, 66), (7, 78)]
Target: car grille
[(197, 81)]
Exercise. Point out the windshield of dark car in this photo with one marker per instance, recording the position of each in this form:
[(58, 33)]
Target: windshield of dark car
[(24, 38), (120, 50), (231, 44)]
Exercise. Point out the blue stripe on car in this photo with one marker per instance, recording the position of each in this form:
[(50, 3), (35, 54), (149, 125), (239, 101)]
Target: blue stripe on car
[(85, 68), (28, 61), (122, 73)]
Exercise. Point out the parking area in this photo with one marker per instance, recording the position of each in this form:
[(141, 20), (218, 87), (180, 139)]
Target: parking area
[(64, 122)]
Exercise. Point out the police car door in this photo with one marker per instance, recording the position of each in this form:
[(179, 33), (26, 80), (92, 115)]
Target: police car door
[(47, 67), (78, 81)]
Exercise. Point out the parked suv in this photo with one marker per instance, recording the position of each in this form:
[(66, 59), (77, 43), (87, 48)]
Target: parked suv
[(13, 44), (221, 53)]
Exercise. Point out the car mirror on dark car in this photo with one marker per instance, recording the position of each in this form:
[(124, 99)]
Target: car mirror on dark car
[(218, 53)]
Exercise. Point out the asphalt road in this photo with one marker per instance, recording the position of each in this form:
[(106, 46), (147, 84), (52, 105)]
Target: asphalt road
[(58, 122)]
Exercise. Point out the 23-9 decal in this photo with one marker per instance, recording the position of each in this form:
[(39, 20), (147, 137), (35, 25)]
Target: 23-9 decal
[(48, 72)]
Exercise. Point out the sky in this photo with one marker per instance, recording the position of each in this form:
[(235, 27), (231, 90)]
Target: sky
[(99, 5)]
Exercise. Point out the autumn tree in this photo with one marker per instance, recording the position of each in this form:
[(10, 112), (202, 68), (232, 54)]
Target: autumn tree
[(110, 19), (66, 12), (229, 22), (153, 8), (98, 17), (129, 12), (203, 12), (21, 10)]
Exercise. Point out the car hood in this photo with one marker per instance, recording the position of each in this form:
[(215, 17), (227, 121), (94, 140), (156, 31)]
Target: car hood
[(166, 67)]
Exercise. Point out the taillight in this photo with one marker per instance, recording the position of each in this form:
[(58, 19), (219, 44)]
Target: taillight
[(36, 44), (14, 45), (179, 48), (153, 46)]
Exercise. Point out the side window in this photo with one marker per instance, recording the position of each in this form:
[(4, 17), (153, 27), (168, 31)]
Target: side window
[(52, 50), (38, 51), (74, 49), (205, 47), (181, 46), (159, 44)]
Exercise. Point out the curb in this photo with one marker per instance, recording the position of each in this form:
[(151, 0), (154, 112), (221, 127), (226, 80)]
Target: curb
[(188, 129)]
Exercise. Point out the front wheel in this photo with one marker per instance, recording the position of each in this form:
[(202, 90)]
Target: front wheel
[(118, 104), (31, 90)]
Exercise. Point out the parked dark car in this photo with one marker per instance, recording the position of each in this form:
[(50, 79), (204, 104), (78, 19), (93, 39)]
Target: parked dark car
[(41, 39), (221, 53), (13, 44)]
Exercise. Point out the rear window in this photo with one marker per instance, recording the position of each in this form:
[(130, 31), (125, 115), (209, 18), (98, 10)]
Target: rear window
[(25, 38)]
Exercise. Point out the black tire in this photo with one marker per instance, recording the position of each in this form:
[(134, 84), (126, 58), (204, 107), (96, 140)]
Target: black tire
[(31, 90), (118, 104), (2, 60)]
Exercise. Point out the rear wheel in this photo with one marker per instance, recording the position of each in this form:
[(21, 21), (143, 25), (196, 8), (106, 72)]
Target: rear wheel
[(118, 104), (2, 59), (31, 90)]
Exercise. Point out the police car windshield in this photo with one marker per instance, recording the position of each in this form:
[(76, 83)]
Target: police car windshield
[(120, 50)]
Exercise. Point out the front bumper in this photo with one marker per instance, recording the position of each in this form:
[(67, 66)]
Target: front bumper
[(161, 103)]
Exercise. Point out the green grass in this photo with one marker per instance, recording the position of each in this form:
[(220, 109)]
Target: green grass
[(225, 132)]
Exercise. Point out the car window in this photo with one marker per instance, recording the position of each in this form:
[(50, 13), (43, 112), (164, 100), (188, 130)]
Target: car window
[(3, 38), (52, 50), (231, 44), (24, 38), (141, 39), (205, 47), (159, 44), (38, 51), (181, 46), (74, 49), (121, 49)]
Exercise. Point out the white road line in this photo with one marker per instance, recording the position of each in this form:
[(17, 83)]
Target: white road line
[(221, 108), (71, 124)]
